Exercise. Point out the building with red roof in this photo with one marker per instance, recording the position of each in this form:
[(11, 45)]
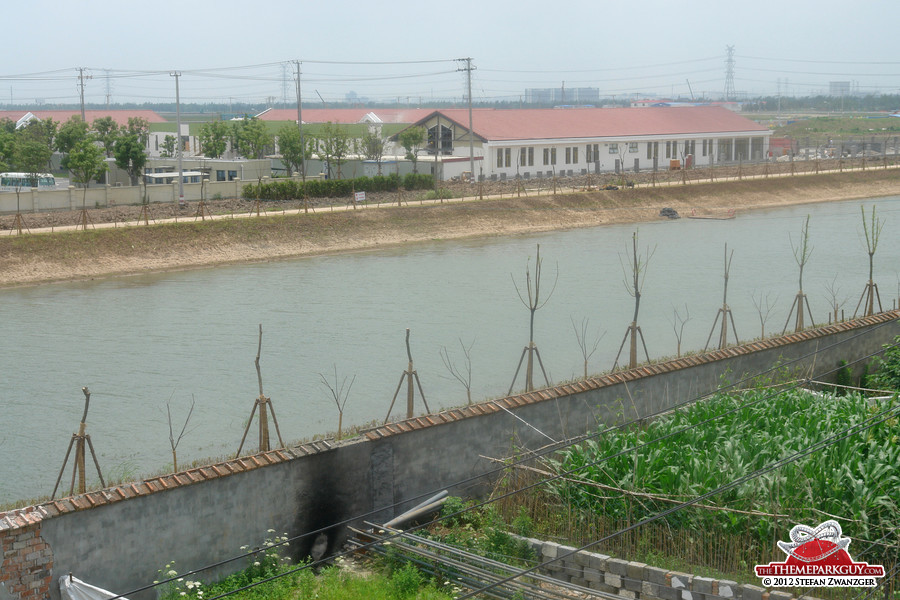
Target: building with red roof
[(61, 116), (574, 141)]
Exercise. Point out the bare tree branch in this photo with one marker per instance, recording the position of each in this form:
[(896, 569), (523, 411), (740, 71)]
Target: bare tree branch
[(465, 378)]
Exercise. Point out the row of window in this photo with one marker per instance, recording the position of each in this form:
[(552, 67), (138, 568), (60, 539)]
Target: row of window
[(674, 149)]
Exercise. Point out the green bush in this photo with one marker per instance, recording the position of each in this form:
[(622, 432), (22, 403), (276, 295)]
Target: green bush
[(887, 375), (290, 189)]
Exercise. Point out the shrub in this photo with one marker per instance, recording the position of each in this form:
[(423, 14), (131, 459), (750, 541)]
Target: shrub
[(887, 375)]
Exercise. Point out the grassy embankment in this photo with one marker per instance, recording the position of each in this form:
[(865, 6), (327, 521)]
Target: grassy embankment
[(41, 258)]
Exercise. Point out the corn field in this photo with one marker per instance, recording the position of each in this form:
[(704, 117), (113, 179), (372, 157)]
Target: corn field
[(605, 487)]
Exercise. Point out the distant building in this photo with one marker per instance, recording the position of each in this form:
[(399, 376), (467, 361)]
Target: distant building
[(838, 88), (563, 95), (549, 142)]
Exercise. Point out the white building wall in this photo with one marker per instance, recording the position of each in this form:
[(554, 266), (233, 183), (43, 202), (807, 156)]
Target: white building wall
[(544, 158)]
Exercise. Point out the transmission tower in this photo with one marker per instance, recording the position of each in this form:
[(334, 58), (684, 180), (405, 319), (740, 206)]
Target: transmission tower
[(729, 74)]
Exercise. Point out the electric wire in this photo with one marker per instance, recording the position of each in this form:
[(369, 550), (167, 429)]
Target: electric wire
[(544, 451)]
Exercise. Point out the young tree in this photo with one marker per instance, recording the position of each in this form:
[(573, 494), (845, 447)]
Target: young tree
[(214, 138), (412, 140), (634, 272), (531, 299), (130, 156), (107, 131), (764, 309), (333, 145), (86, 164), (802, 253), (339, 395), (252, 138), (293, 154), (30, 156), (70, 134), (371, 146), (872, 232), (587, 347), (168, 147), (140, 127), (678, 323), (464, 377)]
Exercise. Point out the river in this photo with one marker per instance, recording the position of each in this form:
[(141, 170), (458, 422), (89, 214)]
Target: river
[(145, 341)]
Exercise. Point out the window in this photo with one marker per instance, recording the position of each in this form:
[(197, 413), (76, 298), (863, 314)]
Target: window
[(614, 148), (652, 149), (528, 157), (575, 155), (632, 147), (508, 156), (220, 175), (568, 155), (552, 153), (499, 157), (232, 175)]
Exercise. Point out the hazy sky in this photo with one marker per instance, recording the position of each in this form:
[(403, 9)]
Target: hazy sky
[(230, 51)]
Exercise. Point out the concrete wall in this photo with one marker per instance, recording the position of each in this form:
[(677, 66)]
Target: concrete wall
[(639, 581), (34, 200), (119, 537)]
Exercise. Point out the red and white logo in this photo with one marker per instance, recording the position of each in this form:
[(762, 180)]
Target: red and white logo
[(818, 558)]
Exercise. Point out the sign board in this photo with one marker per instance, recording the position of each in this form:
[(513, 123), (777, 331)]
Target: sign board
[(360, 197)]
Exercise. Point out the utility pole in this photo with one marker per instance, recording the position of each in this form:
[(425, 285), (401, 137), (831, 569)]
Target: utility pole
[(468, 68), (176, 75), (300, 125), (81, 78)]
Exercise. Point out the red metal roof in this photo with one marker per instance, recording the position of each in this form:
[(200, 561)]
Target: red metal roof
[(552, 123), (347, 115), (61, 116)]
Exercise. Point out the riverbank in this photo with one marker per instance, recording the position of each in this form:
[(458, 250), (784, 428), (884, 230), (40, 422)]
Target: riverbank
[(122, 250)]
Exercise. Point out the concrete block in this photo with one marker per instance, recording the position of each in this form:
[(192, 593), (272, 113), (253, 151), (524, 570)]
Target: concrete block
[(689, 595), (635, 569), (704, 585), (680, 580), (579, 582), (582, 559), (613, 580), (632, 584), (602, 587), (649, 590), (549, 550), (727, 589), (617, 566), (592, 574), (598, 561), (628, 594), (752, 592), (779, 595), (655, 575), (668, 593)]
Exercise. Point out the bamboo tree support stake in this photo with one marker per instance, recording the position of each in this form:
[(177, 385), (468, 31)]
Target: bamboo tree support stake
[(801, 255), (725, 310), (265, 405), (533, 303), (201, 206), (870, 293), (634, 330), (19, 224), (408, 375), (78, 440)]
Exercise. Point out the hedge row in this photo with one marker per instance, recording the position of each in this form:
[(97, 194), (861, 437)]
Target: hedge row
[(290, 189)]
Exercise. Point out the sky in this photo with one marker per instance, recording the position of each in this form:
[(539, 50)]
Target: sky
[(241, 52)]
